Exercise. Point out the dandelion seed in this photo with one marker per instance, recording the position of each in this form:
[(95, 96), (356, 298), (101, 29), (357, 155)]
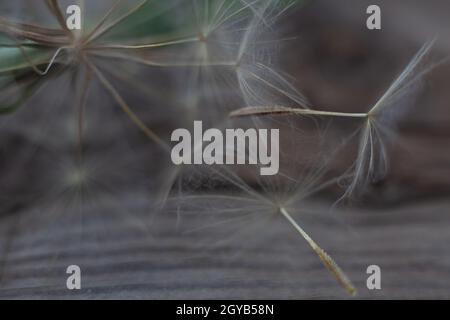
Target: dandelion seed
[(372, 159), (248, 203), (324, 257)]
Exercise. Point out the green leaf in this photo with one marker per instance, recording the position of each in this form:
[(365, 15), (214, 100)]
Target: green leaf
[(14, 58), (171, 19)]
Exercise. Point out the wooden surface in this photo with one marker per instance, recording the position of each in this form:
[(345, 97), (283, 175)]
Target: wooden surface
[(121, 260)]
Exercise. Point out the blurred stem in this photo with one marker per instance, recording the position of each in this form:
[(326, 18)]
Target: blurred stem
[(133, 117), (81, 108), (42, 36), (102, 21), (162, 64), (150, 45)]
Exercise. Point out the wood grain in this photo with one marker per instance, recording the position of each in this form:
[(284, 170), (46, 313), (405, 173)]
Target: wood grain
[(120, 259)]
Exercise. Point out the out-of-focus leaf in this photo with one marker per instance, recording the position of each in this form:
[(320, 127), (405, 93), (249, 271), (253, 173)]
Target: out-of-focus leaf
[(14, 58), (154, 18), (176, 18)]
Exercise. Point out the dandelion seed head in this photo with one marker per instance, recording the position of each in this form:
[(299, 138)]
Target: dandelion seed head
[(235, 203), (76, 177), (377, 131)]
